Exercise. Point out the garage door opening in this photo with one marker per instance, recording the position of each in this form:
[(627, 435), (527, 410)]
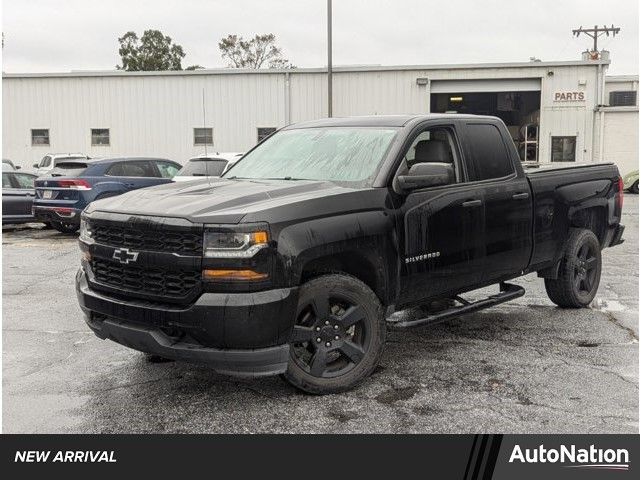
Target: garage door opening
[(519, 110)]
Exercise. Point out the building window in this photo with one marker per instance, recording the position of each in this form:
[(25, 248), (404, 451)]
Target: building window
[(40, 136), (203, 136), (563, 149), (99, 136), (264, 132), (623, 98)]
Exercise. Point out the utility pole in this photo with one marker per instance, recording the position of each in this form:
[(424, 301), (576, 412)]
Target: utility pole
[(596, 32), (329, 63)]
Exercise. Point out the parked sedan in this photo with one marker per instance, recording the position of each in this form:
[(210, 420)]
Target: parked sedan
[(17, 197), (73, 184)]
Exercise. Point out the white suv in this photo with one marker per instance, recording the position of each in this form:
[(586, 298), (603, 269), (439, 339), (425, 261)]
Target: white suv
[(50, 160)]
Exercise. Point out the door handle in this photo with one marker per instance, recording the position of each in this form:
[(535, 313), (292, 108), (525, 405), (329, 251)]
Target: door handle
[(521, 196), (472, 203)]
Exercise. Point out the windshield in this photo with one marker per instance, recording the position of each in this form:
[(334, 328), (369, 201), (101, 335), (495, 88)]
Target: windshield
[(338, 154), (203, 167)]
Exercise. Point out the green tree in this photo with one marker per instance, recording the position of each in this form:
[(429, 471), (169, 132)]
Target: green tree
[(258, 52), (152, 51)]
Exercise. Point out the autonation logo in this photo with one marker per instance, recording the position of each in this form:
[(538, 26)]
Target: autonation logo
[(592, 457)]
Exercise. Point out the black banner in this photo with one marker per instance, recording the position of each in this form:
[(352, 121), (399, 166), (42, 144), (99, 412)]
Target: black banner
[(466, 457)]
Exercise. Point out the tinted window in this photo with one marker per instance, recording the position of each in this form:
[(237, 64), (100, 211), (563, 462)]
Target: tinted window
[(59, 160), (167, 169), (203, 167), (490, 155), (131, 169), (24, 180), (46, 161)]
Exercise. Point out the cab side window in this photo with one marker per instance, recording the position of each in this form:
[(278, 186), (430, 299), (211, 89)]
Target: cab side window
[(490, 155), (435, 144)]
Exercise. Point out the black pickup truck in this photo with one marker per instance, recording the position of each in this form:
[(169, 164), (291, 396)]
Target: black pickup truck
[(291, 262)]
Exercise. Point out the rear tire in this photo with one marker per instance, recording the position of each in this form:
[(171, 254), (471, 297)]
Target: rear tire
[(348, 319), (634, 187), (64, 227), (579, 272)]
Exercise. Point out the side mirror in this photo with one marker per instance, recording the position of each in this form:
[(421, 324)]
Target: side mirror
[(35, 165), (422, 175), (18, 167)]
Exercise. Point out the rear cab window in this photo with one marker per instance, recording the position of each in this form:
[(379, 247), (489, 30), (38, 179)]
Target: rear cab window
[(489, 154)]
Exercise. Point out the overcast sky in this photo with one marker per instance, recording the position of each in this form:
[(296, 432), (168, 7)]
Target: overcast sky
[(63, 35)]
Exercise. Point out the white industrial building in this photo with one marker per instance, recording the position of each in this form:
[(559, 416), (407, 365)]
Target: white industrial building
[(555, 111)]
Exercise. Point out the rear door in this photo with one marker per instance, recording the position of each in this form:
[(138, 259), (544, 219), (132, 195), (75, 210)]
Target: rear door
[(136, 174), (507, 199), (442, 233)]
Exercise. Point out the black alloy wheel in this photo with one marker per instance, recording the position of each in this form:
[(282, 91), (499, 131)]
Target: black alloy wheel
[(330, 337), (338, 337)]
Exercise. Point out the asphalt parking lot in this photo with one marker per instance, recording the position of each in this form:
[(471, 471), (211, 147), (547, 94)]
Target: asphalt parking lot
[(524, 366)]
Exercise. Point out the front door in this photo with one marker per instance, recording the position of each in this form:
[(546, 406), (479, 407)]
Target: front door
[(442, 237)]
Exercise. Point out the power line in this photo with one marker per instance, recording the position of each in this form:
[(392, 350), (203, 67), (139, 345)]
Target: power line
[(596, 32)]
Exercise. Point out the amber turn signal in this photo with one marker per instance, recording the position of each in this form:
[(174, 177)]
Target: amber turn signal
[(211, 274), (259, 237)]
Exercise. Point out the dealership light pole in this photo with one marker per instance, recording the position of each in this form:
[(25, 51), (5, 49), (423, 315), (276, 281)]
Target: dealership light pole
[(329, 63)]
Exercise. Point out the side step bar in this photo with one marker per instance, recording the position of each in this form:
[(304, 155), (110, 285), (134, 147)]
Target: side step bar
[(508, 292)]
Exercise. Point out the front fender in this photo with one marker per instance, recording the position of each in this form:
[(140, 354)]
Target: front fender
[(362, 236)]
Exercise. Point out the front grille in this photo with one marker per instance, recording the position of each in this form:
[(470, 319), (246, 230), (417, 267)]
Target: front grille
[(155, 282), (182, 243)]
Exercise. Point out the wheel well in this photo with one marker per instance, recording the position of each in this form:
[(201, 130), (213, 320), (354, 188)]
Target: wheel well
[(593, 219), (351, 263)]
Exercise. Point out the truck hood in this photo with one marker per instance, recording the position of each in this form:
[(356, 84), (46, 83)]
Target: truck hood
[(219, 200)]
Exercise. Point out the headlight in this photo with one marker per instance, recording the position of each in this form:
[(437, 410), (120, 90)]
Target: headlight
[(234, 244), (85, 231)]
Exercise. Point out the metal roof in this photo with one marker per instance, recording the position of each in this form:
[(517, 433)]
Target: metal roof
[(360, 68)]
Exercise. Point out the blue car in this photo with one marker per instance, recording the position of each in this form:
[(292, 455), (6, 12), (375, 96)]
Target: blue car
[(73, 184)]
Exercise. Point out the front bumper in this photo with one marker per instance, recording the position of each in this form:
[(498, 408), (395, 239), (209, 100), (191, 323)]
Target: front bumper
[(242, 334)]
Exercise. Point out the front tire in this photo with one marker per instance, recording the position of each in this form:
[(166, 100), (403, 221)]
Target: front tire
[(579, 273), (64, 227), (339, 335)]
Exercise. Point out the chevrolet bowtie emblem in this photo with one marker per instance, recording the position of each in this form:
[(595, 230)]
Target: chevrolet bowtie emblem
[(124, 255)]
